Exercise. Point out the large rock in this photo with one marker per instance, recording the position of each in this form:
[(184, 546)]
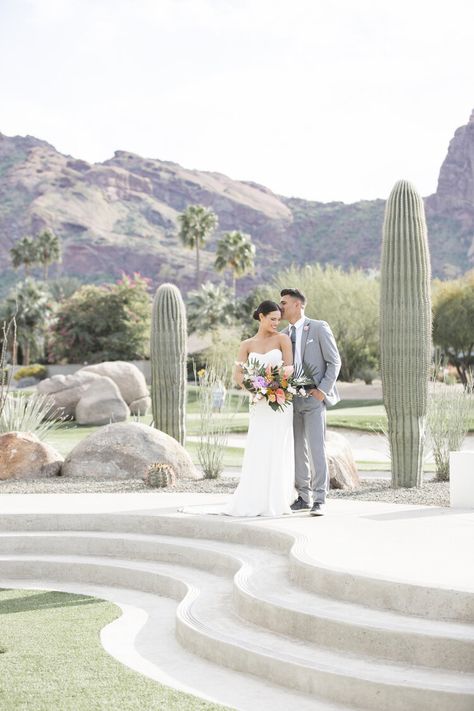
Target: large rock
[(129, 379), (342, 467), (125, 450), (24, 456), (101, 403), (140, 406), (67, 390)]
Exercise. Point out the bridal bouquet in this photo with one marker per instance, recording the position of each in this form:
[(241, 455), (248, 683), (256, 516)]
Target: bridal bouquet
[(277, 384)]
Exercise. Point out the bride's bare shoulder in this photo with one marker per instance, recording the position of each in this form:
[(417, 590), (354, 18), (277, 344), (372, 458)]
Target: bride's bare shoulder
[(249, 342), (283, 338)]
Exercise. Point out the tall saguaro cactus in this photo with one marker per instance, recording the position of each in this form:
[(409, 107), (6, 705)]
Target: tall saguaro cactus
[(405, 330), (168, 361)]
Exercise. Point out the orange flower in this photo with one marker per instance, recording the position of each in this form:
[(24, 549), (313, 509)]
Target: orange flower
[(272, 396)]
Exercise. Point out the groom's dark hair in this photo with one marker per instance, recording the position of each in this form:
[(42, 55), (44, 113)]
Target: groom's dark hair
[(296, 293)]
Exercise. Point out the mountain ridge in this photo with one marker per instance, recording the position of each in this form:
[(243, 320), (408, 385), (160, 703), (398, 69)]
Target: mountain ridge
[(121, 215)]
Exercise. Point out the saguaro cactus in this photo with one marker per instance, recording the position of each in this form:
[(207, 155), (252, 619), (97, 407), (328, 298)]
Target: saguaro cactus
[(405, 330), (168, 361)]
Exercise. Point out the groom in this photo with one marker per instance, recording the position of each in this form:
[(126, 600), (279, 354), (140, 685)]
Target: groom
[(315, 349)]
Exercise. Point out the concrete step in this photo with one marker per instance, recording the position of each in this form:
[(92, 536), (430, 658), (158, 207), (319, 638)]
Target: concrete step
[(206, 625), (397, 595), (270, 599), (264, 595), (437, 603)]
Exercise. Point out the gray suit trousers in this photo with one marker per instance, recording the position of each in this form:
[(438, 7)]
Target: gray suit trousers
[(311, 467)]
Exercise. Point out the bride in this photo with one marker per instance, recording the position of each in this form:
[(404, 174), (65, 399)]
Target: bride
[(266, 486)]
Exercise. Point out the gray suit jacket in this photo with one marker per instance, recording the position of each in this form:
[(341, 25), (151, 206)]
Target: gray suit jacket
[(320, 355)]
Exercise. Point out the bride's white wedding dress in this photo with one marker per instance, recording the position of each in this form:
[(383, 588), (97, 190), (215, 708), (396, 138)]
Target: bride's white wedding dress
[(267, 480), (266, 486)]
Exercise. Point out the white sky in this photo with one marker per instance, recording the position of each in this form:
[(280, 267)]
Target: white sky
[(331, 100)]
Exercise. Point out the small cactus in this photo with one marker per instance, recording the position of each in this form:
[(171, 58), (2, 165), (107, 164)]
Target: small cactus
[(159, 475)]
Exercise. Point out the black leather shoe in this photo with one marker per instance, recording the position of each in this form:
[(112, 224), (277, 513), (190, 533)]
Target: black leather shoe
[(299, 505), (317, 510)]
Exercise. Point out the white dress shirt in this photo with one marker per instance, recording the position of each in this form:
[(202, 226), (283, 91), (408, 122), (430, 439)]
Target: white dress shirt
[(299, 335)]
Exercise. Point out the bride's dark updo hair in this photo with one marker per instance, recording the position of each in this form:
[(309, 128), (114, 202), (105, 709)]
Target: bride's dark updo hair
[(265, 308)]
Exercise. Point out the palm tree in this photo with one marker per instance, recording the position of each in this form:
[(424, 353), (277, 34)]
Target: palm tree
[(235, 251), (24, 254), (209, 308), (49, 250), (197, 223), (29, 306)]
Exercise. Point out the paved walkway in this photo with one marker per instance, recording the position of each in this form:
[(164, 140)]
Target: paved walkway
[(366, 447)]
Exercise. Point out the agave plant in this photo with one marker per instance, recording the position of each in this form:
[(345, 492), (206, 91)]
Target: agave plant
[(30, 413)]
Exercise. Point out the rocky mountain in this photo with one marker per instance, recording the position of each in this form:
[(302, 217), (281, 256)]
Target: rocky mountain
[(121, 215)]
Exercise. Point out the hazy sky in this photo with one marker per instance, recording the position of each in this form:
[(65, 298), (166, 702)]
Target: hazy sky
[(331, 100)]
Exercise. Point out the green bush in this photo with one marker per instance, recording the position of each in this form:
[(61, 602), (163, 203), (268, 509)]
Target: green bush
[(109, 322), (35, 370), (453, 316), (349, 302)]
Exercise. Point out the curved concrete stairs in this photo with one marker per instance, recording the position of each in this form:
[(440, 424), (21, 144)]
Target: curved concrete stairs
[(257, 624)]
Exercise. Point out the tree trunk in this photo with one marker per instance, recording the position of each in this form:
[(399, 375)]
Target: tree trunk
[(26, 352), (45, 271), (198, 271), (234, 284)]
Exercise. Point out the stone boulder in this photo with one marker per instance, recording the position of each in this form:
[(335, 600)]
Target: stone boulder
[(67, 390), (28, 382), (342, 467), (24, 456), (128, 378), (101, 403), (124, 451), (140, 406)]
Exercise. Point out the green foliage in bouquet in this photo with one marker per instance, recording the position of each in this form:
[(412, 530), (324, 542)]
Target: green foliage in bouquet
[(160, 475), (168, 361), (405, 331)]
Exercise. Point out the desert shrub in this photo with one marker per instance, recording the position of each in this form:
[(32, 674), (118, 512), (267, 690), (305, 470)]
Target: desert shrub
[(450, 408), (32, 413), (213, 431), (36, 370)]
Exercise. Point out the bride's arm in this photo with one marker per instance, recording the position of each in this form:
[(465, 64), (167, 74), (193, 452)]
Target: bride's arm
[(241, 358), (285, 345)]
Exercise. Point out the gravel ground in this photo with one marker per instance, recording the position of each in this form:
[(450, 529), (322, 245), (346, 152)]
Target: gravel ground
[(432, 493)]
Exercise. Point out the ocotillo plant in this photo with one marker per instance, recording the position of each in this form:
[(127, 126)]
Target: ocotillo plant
[(168, 361), (405, 331)]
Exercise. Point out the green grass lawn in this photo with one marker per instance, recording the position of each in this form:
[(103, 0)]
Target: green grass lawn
[(51, 659), (364, 415), (358, 417)]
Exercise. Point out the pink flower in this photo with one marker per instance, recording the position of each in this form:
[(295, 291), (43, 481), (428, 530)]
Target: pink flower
[(280, 396), (305, 328)]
